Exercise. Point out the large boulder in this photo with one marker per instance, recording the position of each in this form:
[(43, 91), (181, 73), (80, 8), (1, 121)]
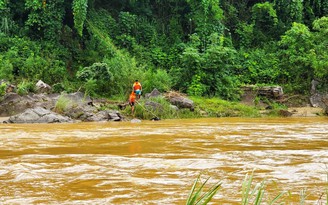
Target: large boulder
[(182, 102), (13, 104), (153, 94), (81, 107), (78, 98), (104, 115), (271, 92), (38, 115), (179, 100), (154, 106), (325, 101), (42, 87), (318, 99), (252, 95)]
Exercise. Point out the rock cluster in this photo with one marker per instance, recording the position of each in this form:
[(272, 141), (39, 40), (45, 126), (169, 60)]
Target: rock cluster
[(45, 107)]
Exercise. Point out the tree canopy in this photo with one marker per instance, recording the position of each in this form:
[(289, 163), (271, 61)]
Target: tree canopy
[(201, 47)]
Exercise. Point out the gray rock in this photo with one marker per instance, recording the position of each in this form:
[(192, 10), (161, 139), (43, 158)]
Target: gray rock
[(13, 104), (173, 107), (42, 87), (114, 116), (38, 115), (78, 98), (135, 120), (76, 106), (97, 117), (153, 106), (314, 84), (182, 102), (153, 94), (316, 100)]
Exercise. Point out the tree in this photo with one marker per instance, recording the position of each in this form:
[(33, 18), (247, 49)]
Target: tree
[(45, 18), (265, 21), (320, 63), (207, 16), (297, 52)]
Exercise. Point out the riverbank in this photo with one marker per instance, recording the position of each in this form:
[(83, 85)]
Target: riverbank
[(2, 119), (306, 111), (297, 112), (79, 107)]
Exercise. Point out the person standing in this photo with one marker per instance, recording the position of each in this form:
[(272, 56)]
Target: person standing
[(137, 88), (132, 100)]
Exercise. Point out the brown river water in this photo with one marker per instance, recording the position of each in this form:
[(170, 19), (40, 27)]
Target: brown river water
[(157, 162)]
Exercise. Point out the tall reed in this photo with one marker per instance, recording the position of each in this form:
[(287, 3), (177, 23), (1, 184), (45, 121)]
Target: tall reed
[(198, 196)]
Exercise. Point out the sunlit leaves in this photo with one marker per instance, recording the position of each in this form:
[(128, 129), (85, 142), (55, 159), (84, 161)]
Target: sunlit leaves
[(3, 4), (33, 4)]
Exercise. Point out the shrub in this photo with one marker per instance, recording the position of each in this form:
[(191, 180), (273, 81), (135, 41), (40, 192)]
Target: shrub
[(61, 104), (6, 69), (24, 87), (3, 87), (58, 88), (96, 78), (158, 79)]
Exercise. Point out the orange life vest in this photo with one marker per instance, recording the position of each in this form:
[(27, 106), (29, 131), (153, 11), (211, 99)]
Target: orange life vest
[(132, 97), (136, 86)]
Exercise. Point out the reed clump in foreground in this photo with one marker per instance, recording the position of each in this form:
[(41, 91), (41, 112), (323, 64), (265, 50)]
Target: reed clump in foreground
[(251, 195)]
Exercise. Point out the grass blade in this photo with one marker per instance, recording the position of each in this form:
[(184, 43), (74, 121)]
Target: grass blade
[(196, 197)]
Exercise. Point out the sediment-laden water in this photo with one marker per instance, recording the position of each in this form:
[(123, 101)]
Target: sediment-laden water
[(157, 162)]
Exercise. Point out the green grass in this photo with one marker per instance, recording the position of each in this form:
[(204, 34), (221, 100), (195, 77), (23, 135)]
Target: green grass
[(62, 104), (215, 107), (251, 194), (198, 196), (204, 107), (163, 110)]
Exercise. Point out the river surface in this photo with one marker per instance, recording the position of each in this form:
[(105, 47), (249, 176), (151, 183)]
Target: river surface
[(157, 162)]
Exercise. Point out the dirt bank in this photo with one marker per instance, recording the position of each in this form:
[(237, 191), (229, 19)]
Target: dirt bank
[(306, 111), (3, 119)]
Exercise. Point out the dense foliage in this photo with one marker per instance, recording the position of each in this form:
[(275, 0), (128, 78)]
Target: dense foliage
[(201, 47)]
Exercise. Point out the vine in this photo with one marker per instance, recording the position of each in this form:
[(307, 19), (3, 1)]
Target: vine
[(80, 14)]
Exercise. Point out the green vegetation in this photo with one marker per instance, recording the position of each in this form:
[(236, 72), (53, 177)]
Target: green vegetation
[(250, 193), (203, 107), (197, 197), (3, 87), (62, 104), (215, 107), (204, 48)]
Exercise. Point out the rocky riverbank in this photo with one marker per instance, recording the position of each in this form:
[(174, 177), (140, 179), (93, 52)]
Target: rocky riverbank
[(78, 107)]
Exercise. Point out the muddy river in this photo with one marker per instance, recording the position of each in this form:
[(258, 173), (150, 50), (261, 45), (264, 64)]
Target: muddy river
[(157, 162)]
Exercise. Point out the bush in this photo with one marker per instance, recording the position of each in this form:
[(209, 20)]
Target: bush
[(6, 69), (3, 87), (61, 104), (158, 79), (96, 78), (58, 88), (30, 60), (24, 87)]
